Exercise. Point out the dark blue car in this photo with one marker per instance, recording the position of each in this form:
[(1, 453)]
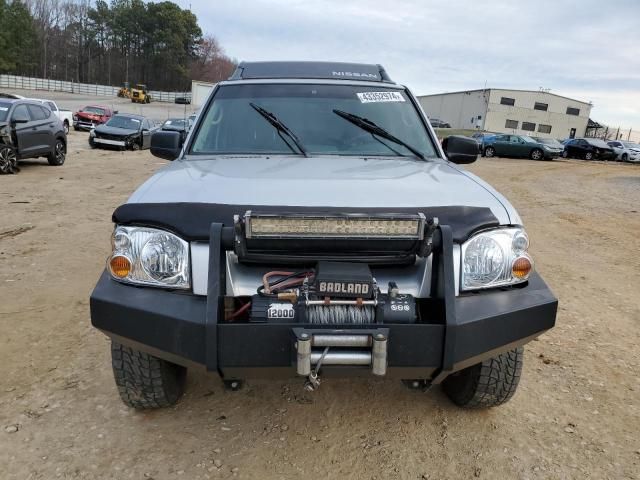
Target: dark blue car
[(518, 146)]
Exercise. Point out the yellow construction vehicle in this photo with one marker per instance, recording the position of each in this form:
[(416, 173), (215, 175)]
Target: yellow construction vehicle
[(140, 94), (125, 91)]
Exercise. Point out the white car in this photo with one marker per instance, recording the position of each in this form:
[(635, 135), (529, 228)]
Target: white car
[(65, 116), (626, 151)]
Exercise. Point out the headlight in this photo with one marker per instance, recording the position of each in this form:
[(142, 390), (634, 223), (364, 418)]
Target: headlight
[(495, 258), (146, 256)]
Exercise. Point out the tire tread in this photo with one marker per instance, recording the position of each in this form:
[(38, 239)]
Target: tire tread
[(487, 384), (145, 381)]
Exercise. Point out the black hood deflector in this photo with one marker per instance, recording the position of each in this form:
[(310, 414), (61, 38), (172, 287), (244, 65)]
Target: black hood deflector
[(192, 221)]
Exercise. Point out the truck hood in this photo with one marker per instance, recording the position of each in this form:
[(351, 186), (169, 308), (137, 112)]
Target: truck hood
[(322, 181), (90, 116)]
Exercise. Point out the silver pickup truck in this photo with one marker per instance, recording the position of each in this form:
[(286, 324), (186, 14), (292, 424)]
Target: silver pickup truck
[(311, 225)]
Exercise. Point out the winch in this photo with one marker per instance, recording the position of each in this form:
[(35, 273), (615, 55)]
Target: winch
[(339, 294), (334, 293)]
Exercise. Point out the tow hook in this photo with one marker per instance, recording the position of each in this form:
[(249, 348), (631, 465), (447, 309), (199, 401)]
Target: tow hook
[(313, 380)]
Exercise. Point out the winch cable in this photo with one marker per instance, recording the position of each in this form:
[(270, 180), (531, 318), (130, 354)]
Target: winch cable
[(341, 314)]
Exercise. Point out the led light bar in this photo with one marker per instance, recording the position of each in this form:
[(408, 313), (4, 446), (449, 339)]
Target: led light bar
[(346, 226)]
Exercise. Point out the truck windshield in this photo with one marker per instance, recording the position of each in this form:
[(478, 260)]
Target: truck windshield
[(231, 125)]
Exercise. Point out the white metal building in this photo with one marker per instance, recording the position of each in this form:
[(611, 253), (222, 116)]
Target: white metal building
[(525, 112), (200, 92)]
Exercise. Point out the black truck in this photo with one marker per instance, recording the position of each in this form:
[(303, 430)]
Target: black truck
[(311, 225)]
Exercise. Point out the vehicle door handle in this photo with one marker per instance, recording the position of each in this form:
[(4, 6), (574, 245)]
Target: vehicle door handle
[(34, 128)]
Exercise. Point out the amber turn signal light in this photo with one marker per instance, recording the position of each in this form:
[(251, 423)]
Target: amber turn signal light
[(120, 266), (521, 267)]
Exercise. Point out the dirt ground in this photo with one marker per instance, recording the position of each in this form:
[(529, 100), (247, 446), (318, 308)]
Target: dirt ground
[(576, 413)]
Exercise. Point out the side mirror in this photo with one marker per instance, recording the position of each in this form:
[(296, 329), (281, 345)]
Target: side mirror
[(16, 121), (166, 144), (460, 149), (115, 112)]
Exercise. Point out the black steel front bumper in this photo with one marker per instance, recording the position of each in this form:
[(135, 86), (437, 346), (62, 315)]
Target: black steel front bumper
[(184, 328)]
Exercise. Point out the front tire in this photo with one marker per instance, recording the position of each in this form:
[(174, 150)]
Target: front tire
[(588, 156), (537, 154), (489, 152), (59, 154), (65, 125), (624, 157), (565, 154), (487, 384), (8, 160), (145, 381)]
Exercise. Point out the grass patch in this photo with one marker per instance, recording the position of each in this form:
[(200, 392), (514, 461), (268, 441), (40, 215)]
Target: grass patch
[(445, 132)]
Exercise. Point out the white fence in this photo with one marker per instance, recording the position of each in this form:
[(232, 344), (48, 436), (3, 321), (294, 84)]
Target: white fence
[(31, 83)]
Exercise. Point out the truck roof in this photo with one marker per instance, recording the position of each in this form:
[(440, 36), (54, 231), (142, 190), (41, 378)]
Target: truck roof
[(311, 70)]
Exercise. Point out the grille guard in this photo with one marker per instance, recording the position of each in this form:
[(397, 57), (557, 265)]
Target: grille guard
[(439, 243)]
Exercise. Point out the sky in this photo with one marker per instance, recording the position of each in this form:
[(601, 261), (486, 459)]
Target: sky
[(584, 49)]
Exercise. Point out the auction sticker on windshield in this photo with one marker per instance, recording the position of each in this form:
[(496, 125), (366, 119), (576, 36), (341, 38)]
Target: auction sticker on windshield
[(371, 97)]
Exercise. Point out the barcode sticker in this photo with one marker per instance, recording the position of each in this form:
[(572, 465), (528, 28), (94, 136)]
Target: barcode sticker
[(376, 97)]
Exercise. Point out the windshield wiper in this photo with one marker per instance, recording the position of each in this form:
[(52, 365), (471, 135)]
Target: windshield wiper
[(369, 126), (281, 128)]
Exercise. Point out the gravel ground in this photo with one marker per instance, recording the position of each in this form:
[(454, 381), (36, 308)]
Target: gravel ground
[(575, 415)]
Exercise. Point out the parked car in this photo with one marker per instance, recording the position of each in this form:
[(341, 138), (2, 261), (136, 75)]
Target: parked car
[(481, 136), (551, 144), (437, 123), (518, 146), (65, 116), (192, 120), (179, 125), (91, 116), (14, 96), (588, 149), (28, 129), (625, 151), (183, 100), (401, 263), (123, 131)]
